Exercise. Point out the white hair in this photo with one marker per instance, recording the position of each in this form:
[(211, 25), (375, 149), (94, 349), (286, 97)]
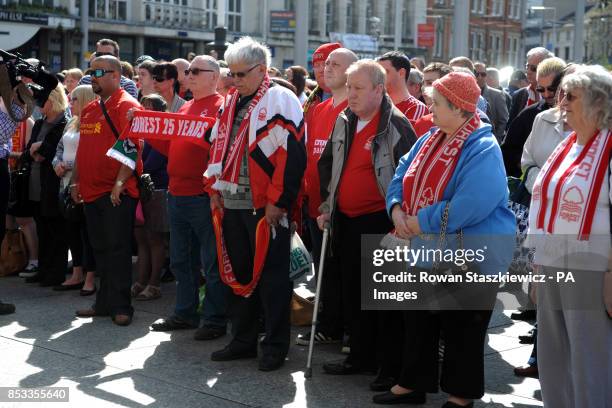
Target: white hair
[(247, 50), (375, 71), (212, 63), (596, 84), (415, 76), (493, 73), (541, 52)]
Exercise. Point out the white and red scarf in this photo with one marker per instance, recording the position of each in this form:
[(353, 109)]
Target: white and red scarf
[(577, 189), (227, 176), (433, 166)]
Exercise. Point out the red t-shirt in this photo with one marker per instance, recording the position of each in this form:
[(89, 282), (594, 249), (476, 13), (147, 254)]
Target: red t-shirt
[(413, 109), (97, 171), (187, 161), (358, 192), (423, 125), (318, 131), (18, 142)]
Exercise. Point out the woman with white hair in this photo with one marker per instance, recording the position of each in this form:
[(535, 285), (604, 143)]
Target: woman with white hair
[(569, 225)]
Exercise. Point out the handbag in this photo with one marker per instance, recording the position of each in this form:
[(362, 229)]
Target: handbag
[(19, 187), (146, 187), (68, 208), (13, 253)]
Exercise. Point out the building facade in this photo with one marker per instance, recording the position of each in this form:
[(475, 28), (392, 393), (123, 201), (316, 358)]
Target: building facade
[(167, 29), (495, 32)]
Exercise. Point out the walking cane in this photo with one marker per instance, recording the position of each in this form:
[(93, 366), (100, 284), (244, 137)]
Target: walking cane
[(315, 312)]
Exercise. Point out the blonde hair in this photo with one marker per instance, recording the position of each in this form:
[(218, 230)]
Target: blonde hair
[(76, 73), (551, 66), (57, 99), (84, 95)]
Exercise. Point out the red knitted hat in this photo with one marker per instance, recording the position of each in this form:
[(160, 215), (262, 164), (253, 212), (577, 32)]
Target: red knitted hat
[(323, 52), (460, 88)]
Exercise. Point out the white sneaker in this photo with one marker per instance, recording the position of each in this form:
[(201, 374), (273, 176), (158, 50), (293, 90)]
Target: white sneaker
[(29, 271)]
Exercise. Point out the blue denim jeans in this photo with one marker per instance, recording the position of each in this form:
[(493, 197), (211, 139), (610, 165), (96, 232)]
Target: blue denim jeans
[(192, 236)]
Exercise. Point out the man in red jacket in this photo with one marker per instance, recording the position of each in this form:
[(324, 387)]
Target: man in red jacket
[(109, 191), (256, 166), (191, 230)]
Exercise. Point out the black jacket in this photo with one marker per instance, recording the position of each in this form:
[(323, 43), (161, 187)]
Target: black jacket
[(49, 182), (520, 128), (519, 99)]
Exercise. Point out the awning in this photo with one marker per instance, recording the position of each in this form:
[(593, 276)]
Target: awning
[(14, 35)]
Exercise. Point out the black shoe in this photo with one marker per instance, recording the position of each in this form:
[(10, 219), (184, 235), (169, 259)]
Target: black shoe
[(227, 354), (34, 279), (526, 315), (62, 288), (84, 292), (167, 276), (47, 283), (346, 368), (6, 308), (270, 362), (449, 404), (389, 398), (209, 332), (382, 383), (171, 323)]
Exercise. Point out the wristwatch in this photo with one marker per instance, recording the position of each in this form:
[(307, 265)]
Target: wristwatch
[(119, 183)]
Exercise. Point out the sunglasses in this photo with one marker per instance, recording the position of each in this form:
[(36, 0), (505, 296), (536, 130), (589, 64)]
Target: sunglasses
[(532, 68), (196, 71), (99, 73), (242, 74), (480, 74), (551, 89), (160, 78)]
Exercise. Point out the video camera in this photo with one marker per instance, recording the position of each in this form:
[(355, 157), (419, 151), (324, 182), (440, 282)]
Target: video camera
[(12, 68)]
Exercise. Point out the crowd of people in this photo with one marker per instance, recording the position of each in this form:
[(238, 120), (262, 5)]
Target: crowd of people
[(364, 146)]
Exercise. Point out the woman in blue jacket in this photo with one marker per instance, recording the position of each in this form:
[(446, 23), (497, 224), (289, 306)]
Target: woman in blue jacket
[(455, 176)]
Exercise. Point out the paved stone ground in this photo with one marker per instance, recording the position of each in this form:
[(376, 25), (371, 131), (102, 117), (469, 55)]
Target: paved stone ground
[(104, 365)]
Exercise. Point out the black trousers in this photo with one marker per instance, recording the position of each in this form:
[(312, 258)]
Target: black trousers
[(464, 340), (4, 195), (330, 316), (80, 247), (52, 248), (271, 297), (110, 231), (367, 340)]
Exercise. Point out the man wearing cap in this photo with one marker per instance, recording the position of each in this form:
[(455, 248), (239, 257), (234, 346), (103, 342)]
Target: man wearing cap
[(317, 135), (355, 168), (110, 47), (397, 67), (321, 92)]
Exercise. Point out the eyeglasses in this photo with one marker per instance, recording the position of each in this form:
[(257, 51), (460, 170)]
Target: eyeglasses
[(196, 71), (99, 73), (532, 68), (542, 89), (480, 74), (241, 74), (160, 78)]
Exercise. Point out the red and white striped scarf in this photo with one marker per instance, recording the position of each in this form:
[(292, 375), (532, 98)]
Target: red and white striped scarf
[(574, 199), (227, 176), (433, 166)]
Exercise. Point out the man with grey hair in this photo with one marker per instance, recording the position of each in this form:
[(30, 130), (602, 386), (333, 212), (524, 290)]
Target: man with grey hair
[(191, 229), (493, 82), (355, 168), (528, 96), (254, 175), (415, 82)]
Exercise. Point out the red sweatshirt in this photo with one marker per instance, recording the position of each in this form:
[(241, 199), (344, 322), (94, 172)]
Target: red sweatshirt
[(187, 161)]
